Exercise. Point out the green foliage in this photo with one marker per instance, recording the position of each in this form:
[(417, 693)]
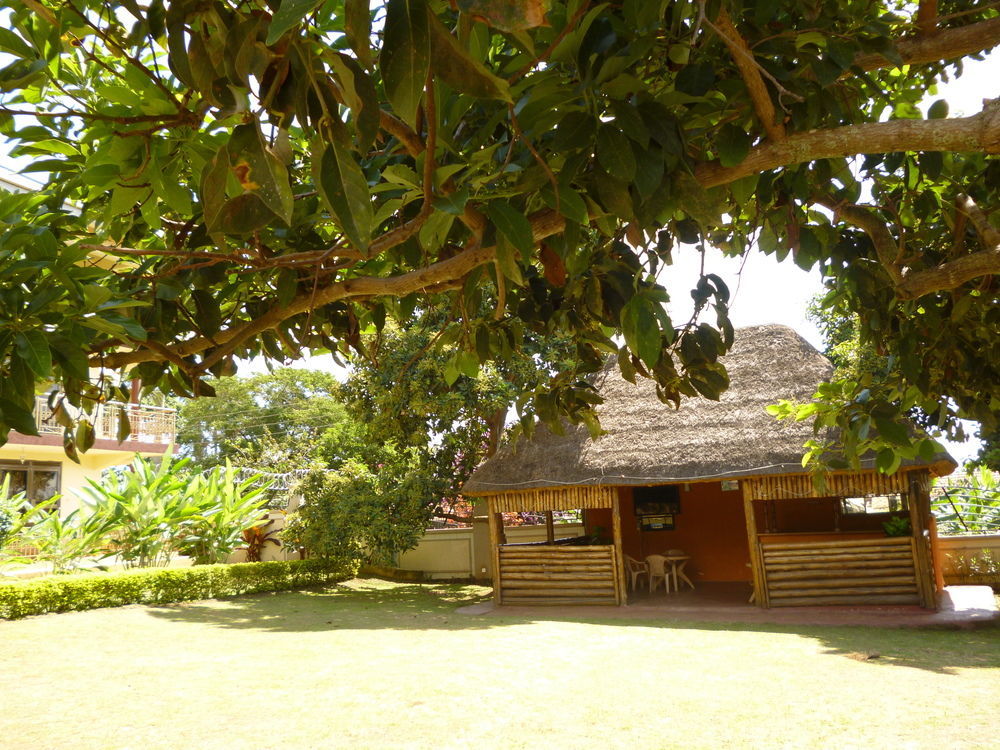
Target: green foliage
[(969, 504), (90, 591), (897, 526), (226, 508), (397, 397), (263, 179), (66, 541), (362, 514), (147, 507), (272, 421)]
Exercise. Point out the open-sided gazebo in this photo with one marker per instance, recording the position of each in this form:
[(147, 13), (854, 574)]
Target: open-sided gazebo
[(721, 480)]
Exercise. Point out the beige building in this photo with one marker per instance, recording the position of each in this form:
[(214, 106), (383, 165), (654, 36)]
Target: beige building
[(38, 465)]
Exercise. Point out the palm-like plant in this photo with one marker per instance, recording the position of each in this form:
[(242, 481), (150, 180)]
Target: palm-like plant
[(227, 507), (146, 506), (66, 542)]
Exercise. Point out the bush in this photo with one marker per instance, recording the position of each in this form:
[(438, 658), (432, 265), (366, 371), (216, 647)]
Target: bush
[(159, 586)]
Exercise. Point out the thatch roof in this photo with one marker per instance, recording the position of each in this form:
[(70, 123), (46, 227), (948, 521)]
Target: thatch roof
[(648, 442)]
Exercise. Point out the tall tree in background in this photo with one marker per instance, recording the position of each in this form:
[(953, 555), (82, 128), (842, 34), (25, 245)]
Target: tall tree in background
[(270, 421), (230, 179), (416, 387)]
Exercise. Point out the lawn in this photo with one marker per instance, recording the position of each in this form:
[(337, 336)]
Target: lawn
[(374, 664)]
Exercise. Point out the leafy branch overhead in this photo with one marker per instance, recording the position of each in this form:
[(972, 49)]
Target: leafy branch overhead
[(231, 179)]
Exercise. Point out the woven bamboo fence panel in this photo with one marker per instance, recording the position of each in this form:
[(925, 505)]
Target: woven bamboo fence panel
[(558, 498), (855, 484)]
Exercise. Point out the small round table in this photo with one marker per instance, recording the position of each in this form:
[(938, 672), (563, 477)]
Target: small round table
[(677, 565)]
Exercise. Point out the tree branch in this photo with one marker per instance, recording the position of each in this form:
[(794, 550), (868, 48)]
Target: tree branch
[(403, 132), (977, 133), (885, 244), (927, 16), (946, 44), (943, 277), (543, 224), (750, 72)]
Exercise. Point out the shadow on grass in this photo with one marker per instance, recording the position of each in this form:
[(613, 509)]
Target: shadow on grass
[(370, 604)]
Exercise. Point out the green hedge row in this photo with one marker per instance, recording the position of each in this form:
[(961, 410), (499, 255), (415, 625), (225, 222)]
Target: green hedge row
[(163, 585)]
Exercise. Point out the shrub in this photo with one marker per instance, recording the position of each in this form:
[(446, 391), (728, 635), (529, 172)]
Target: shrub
[(370, 515), (162, 586)]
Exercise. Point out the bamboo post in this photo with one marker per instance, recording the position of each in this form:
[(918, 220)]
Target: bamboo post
[(936, 560), (923, 495), (550, 529), (495, 549), (921, 554), (619, 563), (756, 563)]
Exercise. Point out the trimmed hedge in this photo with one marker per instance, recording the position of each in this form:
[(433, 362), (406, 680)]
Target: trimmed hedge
[(163, 585)]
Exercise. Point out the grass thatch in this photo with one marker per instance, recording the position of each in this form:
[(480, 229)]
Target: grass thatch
[(648, 442)]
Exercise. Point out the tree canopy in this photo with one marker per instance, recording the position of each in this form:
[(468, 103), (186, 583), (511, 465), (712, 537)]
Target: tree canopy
[(269, 177)]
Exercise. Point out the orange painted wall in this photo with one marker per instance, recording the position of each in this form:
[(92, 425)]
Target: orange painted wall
[(711, 528)]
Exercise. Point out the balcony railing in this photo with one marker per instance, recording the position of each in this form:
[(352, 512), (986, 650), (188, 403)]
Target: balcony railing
[(150, 424)]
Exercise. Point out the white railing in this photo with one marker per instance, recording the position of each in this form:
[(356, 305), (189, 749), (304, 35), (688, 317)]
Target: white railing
[(149, 424)]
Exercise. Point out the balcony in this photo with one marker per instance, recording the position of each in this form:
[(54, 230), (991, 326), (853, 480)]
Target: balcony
[(150, 424)]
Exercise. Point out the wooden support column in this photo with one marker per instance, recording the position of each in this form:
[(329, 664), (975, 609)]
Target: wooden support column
[(756, 560), (496, 529), (920, 511), (936, 559), (619, 562), (550, 529)]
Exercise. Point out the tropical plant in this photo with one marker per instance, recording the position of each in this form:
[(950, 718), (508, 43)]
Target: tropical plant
[(256, 538), (969, 504), (66, 541), (897, 526), (225, 508), (267, 178), (146, 505)]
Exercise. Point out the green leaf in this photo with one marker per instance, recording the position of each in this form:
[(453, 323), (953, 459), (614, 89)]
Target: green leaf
[(17, 417), (641, 331), (892, 431), (507, 261), (453, 63), (358, 29), (733, 145), (614, 152), (33, 348), (576, 130), (405, 57), (887, 460), (344, 190), (259, 171), (571, 205), (359, 91), (512, 224), (289, 14), (938, 110), (208, 315)]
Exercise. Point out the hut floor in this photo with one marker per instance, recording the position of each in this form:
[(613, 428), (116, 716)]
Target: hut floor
[(961, 606)]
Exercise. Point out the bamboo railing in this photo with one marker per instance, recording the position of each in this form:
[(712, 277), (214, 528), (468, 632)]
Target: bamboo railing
[(862, 571)]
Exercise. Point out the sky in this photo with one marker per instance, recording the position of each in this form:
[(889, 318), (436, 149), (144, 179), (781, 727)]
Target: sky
[(763, 290)]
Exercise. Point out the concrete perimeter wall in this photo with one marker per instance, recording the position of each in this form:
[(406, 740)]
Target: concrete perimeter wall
[(970, 559), (465, 553)]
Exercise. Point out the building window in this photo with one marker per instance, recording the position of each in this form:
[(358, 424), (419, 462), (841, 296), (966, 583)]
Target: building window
[(38, 480), (873, 504)]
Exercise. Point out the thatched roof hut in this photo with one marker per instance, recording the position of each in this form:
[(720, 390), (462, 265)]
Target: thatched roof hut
[(648, 442)]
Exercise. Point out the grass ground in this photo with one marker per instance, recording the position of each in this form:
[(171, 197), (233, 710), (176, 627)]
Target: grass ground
[(374, 664)]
